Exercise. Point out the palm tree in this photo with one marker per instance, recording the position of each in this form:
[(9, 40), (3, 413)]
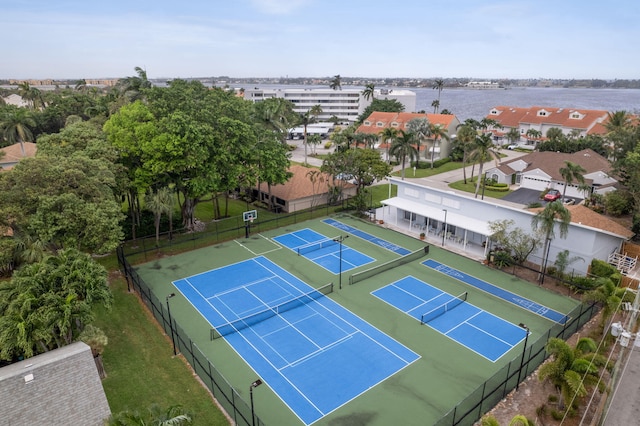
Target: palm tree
[(436, 131), (388, 135), (420, 129), (369, 91), (435, 104), (483, 151), (466, 137), (336, 83), (513, 135), (159, 202), (610, 296), (402, 147), (545, 222), (306, 119), (314, 140), (438, 85), (32, 95), (15, 126), (570, 173), (570, 369), (173, 416), (533, 134), (554, 134)]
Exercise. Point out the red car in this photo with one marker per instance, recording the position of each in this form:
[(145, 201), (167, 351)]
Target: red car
[(552, 195)]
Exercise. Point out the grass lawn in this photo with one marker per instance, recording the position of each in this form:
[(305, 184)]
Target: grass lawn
[(141, 369), (427, 172), (471, 187)]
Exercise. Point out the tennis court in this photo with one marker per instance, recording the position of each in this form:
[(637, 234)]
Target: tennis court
[(313, 353), (330, 253), (368, 237), (520, 301), (479, 331)]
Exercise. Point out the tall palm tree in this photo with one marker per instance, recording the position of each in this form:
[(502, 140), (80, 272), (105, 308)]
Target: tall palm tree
[(336, 83), (545, 222), (369, 91), (438, 85), (466, 137), (403, 147), (435, 104), (436, 131), (570, 369), (483, 151), (32, 95), (570, 173), (420, 127), (307, 118), (15, 126), (387, 135), (159, 202)]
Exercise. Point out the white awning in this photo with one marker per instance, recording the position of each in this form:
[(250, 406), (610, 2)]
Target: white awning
[(453, 218)]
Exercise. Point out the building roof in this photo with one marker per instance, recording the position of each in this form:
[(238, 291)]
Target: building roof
[(552, 162), (568, 118), (13, 154), (584, 216), (300, 185), (399, 120)]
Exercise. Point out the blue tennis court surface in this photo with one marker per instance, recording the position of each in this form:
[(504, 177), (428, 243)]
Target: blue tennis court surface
[(314, 354), (522, 302), (478, 330), (368, 237), (323, 251)]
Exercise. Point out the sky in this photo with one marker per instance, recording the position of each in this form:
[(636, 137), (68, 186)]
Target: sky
[(73, 39)]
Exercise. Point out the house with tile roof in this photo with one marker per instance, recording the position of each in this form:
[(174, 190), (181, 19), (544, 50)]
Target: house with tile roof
[(378, 121), (541, 170), (16, 152), (458, 221), (301, 192), (571, 121)]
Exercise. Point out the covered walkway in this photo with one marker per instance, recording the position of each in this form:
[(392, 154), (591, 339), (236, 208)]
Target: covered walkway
[(445, 228)]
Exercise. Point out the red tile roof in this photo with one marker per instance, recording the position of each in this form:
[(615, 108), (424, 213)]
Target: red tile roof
[(399, 120), (553, 116)]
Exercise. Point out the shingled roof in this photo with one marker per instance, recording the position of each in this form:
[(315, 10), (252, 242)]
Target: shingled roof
[(582, 215), (300, 186), (552, 162), (13, 154)]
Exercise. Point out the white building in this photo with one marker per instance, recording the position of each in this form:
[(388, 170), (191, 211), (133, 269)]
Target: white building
[(345, 104), (460, 222)]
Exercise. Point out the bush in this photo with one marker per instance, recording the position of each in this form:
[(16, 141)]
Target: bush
[(291, 147), (441, 162), (328, 145), (497, 188), (617, 203), (600, 268)]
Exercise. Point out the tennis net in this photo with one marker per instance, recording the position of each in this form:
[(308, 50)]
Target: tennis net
[(317, 245), (249, 320), (368, 273), (444, 308)]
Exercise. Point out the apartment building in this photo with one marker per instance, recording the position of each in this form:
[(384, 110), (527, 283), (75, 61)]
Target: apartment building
[(533, 123), (345, 104)]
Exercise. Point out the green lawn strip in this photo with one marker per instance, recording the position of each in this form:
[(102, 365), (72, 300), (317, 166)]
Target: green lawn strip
[(471, 188), (141, 369), (428, 171)]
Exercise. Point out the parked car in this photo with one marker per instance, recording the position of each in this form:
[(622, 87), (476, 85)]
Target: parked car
[(552, 195), (512, 147)]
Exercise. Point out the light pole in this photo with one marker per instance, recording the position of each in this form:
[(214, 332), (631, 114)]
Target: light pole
[(444, 228), (173, 340), (339, 240), (253, 385), (524, 349)]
